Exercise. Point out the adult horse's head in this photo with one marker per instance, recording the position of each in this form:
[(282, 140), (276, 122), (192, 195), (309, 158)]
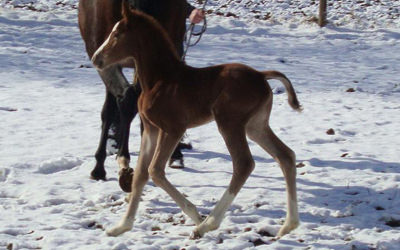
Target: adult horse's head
[(118, 46)]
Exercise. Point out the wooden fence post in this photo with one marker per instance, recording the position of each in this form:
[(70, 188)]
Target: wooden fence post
[(322, 13)]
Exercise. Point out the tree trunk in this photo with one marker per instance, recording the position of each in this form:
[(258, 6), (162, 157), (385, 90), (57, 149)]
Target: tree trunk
[(322, 13)]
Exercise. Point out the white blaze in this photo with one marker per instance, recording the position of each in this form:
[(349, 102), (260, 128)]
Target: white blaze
[(106, 41)]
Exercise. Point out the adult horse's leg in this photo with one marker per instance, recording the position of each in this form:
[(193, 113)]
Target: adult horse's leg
[(116, 84), (176, 160), (243, 164), (127, 111), (108, 114)]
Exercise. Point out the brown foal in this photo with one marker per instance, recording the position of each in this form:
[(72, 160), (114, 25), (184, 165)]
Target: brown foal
[(236, 96)]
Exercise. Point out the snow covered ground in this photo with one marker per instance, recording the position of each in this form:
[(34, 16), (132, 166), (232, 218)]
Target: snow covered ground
[(348, 182)]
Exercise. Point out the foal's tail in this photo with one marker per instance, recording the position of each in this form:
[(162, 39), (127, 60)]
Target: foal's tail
[(293, 102)]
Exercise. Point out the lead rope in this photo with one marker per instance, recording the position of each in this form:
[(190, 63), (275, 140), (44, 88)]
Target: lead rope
[(190, 33), (187, 42)]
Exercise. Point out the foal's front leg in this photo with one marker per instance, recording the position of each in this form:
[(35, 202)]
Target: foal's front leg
[(166, 143), (149, 140)]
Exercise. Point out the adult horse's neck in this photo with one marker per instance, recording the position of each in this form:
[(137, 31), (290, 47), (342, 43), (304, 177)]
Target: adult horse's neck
[(155, 56)]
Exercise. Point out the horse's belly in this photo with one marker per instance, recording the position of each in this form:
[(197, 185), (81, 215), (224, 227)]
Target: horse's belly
[(200, 121)]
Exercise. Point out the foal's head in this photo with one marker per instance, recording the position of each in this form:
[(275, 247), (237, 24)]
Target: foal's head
[(136, 33), (117, 46)]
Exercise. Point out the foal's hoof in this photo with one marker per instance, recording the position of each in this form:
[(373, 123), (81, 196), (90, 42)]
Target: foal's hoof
[(287, 228), (195, 235), (118, 230), (125, 179), (98, 175)]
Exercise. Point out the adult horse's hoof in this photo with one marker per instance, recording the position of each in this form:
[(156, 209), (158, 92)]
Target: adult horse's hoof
[(125, 179), (98, 174), (176, 163), (183, 145)]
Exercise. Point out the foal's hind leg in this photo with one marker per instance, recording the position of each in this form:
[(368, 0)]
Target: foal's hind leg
[(243, 165), (259, 131)]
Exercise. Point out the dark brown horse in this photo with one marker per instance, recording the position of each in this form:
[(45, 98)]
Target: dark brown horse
[(236, 96), (96, 20)]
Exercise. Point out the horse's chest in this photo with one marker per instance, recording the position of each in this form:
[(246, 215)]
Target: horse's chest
[(161, 109)]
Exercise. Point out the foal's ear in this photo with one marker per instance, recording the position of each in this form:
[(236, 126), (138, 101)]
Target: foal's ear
[(126, 10)]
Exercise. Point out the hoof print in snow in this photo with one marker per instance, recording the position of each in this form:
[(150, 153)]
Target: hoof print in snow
[(282, 60), (86, 66), (392, 222), (8, 109), (352, 192), (170, 220), (247, 229), (230, 14), (10, 246), (94, 225), (258, 242), (350, 90), (379, 208), (300, 165), (265, 233), (344, 155), (257, 205), (330, 131)]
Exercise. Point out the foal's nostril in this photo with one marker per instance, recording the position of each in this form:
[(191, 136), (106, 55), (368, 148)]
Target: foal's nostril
[(100, 64), (97, 61)]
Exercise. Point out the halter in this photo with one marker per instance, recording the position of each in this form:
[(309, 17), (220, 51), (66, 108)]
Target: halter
[(190, 33)]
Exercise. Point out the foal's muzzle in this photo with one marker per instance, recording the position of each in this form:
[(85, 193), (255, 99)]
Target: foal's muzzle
[(98, 61)]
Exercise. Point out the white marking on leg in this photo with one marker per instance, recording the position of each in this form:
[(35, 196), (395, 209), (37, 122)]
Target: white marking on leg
[(187, 207), (293, 215), (292, 218), (128, 219), (123, 162), (124, 226), (213, 221)]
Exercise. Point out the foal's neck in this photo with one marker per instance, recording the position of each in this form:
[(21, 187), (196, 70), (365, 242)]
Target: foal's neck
[(156, 59)]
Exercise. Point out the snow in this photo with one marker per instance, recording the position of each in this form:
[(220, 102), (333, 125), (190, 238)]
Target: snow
[(348, 182)]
